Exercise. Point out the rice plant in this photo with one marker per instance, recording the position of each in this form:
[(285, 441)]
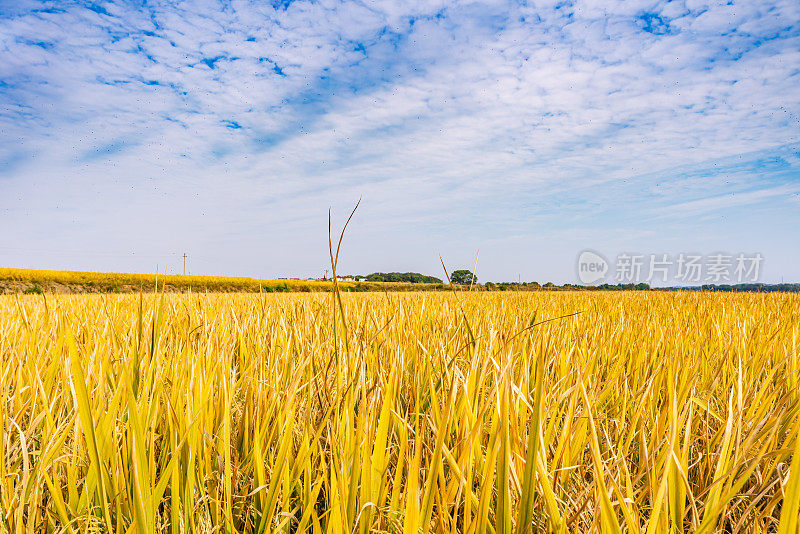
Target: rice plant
[(399, 412)]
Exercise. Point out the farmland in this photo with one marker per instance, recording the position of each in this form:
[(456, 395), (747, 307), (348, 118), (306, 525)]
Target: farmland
[(400, 412), (36, 280)]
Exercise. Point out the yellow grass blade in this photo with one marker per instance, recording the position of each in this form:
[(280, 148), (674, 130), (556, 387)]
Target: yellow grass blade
[(81, 396)]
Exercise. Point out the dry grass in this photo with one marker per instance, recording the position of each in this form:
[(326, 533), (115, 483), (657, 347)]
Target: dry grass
[(419, 412)]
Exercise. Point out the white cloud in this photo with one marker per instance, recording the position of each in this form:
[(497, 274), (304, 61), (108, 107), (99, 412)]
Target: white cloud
[(440, 113)]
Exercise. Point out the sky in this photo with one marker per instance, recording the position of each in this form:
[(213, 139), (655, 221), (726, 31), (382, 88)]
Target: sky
[(520, 133)]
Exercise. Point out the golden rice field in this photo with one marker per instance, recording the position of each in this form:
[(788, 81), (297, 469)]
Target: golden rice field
[(18, 280), (412, 412)]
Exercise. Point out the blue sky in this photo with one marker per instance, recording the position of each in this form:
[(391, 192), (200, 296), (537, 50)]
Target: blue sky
[(132, 132)]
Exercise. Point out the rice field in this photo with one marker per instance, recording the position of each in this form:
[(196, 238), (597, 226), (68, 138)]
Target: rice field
[(24, 280), (481, 412)]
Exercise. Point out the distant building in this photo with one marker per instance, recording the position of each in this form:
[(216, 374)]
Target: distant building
[(346, 278)]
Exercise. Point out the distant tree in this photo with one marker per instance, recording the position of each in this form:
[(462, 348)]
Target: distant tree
[(413, 278), (463, 276)]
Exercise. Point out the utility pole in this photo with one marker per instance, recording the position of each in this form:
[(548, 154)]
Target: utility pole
[(184, 264), (326, 274)]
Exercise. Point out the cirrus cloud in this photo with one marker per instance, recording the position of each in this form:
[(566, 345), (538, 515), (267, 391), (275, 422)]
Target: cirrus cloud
[(230, 127)]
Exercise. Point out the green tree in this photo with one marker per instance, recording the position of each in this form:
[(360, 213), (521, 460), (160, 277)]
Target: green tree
[(413, 278), (463, 276)]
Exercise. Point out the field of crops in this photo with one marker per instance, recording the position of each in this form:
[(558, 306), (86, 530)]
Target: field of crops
[(39, 280), (411, 412)]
